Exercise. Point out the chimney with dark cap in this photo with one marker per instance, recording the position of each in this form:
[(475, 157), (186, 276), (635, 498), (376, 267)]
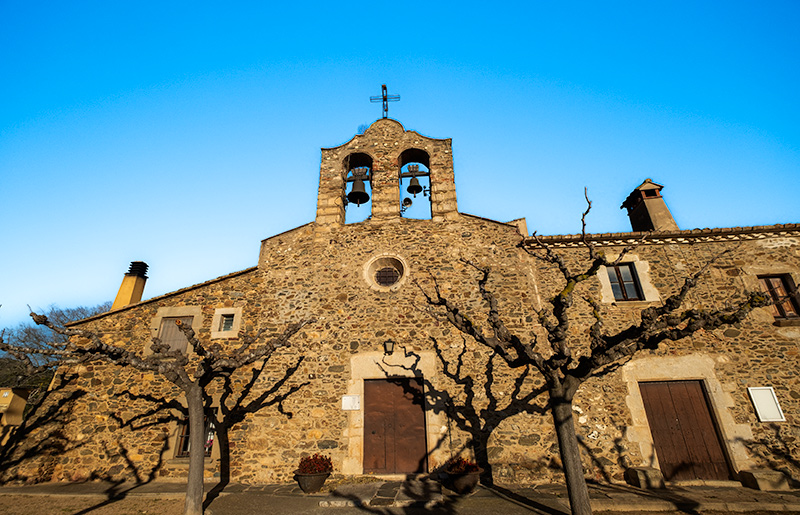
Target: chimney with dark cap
[(647, 209), (130, 292)]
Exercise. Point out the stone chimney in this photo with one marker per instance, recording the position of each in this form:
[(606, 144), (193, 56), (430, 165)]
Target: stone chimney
[(132, 287), (647, 209)]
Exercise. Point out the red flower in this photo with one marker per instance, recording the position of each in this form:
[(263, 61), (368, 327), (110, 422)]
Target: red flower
[(316, 464)]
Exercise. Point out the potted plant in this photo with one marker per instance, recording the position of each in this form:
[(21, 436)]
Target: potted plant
[(312, 472), (463, 473)]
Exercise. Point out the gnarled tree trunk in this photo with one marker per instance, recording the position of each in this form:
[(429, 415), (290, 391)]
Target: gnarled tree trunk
[(578, 492)]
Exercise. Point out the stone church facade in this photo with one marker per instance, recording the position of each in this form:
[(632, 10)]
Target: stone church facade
[(384, 386)]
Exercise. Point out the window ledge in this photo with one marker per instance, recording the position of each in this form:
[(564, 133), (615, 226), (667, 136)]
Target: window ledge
[(224, 335), (787, 322), (633, 303), (184, 462)]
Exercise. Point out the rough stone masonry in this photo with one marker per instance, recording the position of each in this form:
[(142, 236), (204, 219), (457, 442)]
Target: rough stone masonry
[(327, 269)]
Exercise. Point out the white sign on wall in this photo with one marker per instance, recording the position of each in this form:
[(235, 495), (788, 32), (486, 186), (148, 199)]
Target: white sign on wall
[(766, 404), (351, 402)]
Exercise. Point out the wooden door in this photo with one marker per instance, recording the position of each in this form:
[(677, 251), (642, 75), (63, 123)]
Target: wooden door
[(394, 426), (685, 436)]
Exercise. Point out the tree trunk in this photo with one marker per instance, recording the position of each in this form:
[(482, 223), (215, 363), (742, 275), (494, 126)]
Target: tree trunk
[(194, 484), (577, 490), (480, 447), (221, 439)]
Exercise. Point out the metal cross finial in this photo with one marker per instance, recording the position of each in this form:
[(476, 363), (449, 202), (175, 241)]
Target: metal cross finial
[(385, 99)]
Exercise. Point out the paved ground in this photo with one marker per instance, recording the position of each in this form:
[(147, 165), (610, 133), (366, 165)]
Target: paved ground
[(417, 496)]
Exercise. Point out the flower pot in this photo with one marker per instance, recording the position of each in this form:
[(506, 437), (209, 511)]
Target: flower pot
[(310, 483), (464, 482)]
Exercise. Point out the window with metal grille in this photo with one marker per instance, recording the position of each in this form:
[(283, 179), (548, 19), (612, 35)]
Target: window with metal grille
[(183, 439), (172, 335), (226, 322), (781, 290), (624, 282), (387, 276)]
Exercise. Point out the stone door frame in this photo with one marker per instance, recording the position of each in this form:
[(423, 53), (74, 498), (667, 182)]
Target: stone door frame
[(377, 365), (694, 367)]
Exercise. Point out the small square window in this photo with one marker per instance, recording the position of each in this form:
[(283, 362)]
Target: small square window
[(781, 290), (226, 322), (624, 282)]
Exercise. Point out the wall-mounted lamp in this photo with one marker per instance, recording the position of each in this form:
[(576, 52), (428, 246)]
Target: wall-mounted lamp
[(388, 347)]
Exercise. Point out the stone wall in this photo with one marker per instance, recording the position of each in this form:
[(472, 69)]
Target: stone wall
[(609, 410), (298, 278), (121, 424)]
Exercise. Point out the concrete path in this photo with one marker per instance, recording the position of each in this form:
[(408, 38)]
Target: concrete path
[(425, 496)]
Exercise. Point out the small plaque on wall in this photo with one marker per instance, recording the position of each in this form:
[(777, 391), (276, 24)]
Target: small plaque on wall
[(351, 402), (766, 403)]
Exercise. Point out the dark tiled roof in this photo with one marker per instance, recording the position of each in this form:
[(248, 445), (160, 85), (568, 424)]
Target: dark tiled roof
[(660, 237)]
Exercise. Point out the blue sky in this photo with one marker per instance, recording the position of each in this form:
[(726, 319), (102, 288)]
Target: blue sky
[(182, 134)]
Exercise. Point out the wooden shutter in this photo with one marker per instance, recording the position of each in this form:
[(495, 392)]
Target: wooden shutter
[(171, 335)]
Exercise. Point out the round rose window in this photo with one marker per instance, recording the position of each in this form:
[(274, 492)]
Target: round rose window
[(385, 273)]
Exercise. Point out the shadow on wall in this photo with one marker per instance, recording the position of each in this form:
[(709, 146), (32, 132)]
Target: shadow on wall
[(32, 451), (475, 407), (778, 451)]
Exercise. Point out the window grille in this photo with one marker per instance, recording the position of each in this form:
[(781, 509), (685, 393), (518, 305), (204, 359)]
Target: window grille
[(226, 322), (387, 276)]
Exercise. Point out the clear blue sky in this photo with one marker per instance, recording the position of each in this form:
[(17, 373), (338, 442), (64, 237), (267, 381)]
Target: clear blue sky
[(181, 134)]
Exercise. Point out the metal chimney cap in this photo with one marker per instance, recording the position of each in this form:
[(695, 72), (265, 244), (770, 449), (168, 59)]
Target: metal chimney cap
[(138, 269)]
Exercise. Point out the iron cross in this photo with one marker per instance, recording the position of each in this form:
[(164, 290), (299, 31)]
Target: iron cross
[(386, 99)]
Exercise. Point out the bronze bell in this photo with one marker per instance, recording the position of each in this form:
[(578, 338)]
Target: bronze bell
[(414, 187), (358, 195)]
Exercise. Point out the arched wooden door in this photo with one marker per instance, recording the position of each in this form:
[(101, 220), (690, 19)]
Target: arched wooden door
[(394, 426)]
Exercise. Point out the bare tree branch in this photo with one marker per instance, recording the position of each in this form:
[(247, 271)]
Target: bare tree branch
[(209, 362), (573, 359)]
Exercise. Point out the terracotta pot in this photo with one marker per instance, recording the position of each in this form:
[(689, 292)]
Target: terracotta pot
[(310, 483), (465, 482)]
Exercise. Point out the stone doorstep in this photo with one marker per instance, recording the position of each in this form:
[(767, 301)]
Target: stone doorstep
[(764, 480)]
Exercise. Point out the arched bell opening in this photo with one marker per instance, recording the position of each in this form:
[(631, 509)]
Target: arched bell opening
[(415, 184), (358, 187)]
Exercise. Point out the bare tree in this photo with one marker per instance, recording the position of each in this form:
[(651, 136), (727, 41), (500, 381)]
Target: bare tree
[(192, 372), (15, 373), (567, 359)]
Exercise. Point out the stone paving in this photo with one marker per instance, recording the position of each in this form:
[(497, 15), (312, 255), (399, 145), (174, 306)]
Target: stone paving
[(422, 495)]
